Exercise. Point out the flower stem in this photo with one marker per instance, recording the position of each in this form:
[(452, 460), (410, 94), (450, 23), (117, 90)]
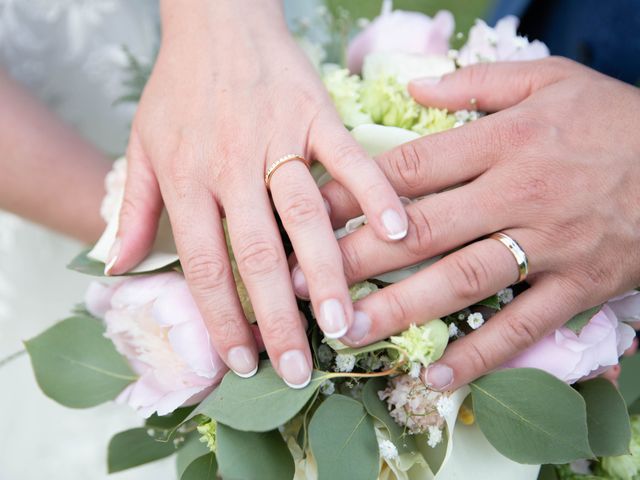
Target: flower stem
[(12, 357)]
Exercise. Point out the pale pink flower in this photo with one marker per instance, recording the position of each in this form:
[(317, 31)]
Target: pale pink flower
[(499, 44), (571, 357), (627, 306), (401, 32), (154, 322)]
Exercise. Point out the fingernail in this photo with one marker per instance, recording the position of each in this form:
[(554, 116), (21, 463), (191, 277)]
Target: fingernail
[(438, 376), (299, 282), (426, 81), (394, 224), (332, 319), (294, 369), (242, 362), (359, 328), (112, 258)]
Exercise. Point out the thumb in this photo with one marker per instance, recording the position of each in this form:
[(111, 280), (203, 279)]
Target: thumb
[(490, 86), (139, 215)]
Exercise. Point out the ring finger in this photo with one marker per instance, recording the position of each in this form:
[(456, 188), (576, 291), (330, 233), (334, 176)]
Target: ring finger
[(306, 220), (460, 279)]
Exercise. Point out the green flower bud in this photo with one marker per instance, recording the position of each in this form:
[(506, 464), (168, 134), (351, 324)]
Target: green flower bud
[(208, 432), (345, 91), (424, 344)]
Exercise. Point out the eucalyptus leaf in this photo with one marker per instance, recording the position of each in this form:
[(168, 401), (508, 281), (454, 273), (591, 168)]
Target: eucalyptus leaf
[(629, 380), (492, 302), (607, 418), (577, 323), (531, 417), (170, 421), (191, 450), (257, 404), (404, 442), (253, 455), (135, 447), (548, 472), (202, 468), (343, 440), (83, 264), (76, 365)]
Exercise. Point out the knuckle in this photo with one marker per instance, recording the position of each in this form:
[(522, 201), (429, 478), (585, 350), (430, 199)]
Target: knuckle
[(470, 275), (226, 327), (420, 234), (406, 168), (399, 305), (352, 262), (347, 156), (522, 130), (301, 209), (206, 271), (520, 331), (278, 326), (258, 257), (480, 358), (323, 274)]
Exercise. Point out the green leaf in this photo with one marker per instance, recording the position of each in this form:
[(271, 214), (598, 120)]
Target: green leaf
[(168, 423), (253, 455), (257, 404), (83, 264), (374, 347), (492, 302), (629, 380), (405, 443), (76, 365), (135, 447), (202, 468), (577, 323), (548, 472), (531, 417), (192, 449), (607, 418), (343, 440)]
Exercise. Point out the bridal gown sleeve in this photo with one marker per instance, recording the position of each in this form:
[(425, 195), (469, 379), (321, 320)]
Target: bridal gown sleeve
[(70, 54)]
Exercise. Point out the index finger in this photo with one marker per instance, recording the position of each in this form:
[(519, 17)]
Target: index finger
[(428, 164)]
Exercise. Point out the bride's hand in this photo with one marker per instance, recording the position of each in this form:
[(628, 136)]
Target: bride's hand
[(230, 94), (557, 169)]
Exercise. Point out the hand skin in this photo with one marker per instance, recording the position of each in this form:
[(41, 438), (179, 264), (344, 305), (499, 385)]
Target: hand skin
[(48, 173), (230, 94), (557, 168)]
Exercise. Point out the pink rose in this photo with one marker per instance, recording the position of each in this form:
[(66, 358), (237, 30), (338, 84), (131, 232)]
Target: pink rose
[(571, 357), (627, 306), (499, 44), (401, 32), (154, 322)]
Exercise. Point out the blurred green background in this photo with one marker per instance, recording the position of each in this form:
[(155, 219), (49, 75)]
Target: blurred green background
[(464, 11)]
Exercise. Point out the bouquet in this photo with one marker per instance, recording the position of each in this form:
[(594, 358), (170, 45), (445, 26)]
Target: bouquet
[(366, 414)]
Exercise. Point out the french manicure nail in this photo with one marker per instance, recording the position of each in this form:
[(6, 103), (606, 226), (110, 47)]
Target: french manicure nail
[(394, 224), (295, 369), (359, 328), (438, 376), (426, 81), (299, 282), (332, 319), (112, 258), (242, 362)]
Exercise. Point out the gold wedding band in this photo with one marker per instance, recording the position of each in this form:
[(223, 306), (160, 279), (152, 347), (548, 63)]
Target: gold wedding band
[(281, 161), (517, 252)]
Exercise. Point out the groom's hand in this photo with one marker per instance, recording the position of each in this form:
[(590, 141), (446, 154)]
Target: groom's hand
[(557, 169)]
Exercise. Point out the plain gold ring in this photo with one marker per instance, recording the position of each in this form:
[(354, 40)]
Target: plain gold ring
[(281, 161), (517, 252)]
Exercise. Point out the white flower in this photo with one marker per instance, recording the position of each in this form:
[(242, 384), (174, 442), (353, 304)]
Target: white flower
[(445, 406), (505, 296), (388, 450), (475, 320), (328, 388), (453, 330), (345, 362), (414, 371), (345, 92), (114, 185), (435, 436)]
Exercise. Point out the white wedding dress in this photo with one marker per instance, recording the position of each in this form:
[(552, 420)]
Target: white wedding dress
[(69, 53)]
